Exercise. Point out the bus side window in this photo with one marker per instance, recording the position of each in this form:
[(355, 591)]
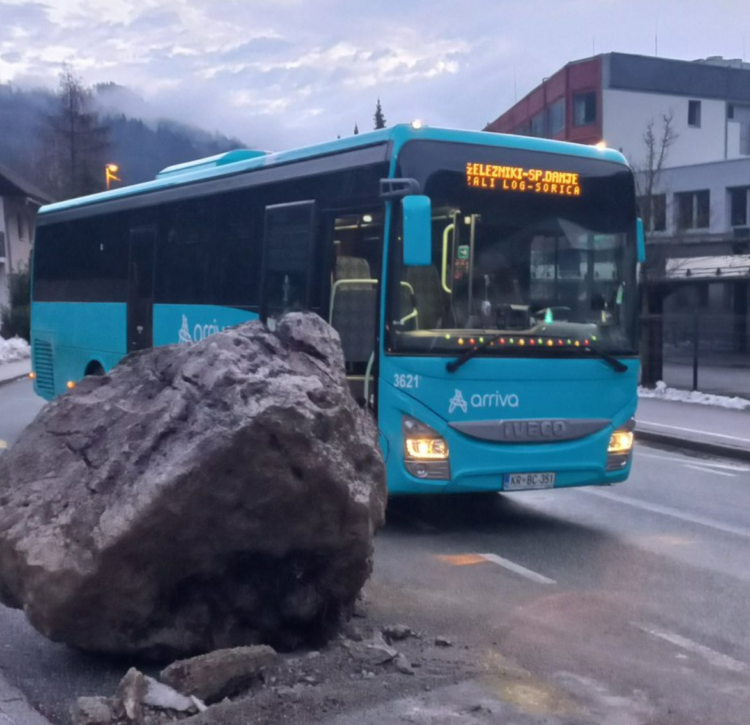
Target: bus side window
[(287, 259), (208, 253)]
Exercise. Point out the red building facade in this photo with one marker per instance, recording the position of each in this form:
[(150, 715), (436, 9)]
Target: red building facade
[(567, 106)]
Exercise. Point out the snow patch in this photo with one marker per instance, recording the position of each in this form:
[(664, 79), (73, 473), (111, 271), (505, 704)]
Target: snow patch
[(663, 392), (13, 350)]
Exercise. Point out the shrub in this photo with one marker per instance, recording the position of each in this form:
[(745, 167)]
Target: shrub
[(15, 319)]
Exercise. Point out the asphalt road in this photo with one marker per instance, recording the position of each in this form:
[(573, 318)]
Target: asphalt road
[(627, 605), (18, 407)]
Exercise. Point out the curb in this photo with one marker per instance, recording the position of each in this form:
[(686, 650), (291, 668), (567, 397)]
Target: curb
[(690, 444), (7, 381), (15, 708)]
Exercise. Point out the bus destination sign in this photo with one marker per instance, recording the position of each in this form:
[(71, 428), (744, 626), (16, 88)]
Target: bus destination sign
[(516, 178)]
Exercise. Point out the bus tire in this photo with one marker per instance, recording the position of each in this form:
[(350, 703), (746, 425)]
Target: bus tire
[(94, 368)]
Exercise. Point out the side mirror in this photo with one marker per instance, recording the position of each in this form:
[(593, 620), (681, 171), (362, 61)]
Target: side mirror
[(417, 211), (641, 240)]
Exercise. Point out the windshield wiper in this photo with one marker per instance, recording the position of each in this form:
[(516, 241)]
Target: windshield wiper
[(464, 357), (613, 362)]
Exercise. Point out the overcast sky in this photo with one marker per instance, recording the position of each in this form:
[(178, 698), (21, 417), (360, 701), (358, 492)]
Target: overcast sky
[(283, 73)]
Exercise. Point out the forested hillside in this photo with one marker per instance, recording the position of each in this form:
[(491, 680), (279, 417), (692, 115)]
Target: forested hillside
[(140, 148)]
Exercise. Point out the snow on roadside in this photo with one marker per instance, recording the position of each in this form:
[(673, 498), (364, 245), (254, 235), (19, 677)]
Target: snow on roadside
[(13, 350), (663, 392)]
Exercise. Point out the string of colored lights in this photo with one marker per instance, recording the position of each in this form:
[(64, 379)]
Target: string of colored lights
[(523, 341)]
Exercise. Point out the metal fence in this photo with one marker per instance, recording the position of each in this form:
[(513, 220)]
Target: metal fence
[(706, 352)]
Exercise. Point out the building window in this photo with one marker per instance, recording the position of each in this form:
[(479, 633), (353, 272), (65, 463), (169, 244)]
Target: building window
[(659, 212), (741, 115), (693, 209), (694, 114), (2, 245), (738, 205), (654, 212), (584, 108), (556, 117), (537, 125)]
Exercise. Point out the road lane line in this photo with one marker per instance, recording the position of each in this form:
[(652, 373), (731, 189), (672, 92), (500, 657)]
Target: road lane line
[(693, 430), (705, 469), (674, 513), (717, 659), (518, 569), (461, 559), (724, 466), (714, 464)]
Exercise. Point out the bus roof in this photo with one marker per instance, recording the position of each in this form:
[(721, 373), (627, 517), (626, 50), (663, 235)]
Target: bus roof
[(245, 160)]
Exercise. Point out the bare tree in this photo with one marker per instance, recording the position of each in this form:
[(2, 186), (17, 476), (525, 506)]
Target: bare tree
[(74, 142), (657, 141)]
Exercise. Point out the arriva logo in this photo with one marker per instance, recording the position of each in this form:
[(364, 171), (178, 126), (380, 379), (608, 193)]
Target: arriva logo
[(457, 401), (184, 333), (200, 332), (482, 400)]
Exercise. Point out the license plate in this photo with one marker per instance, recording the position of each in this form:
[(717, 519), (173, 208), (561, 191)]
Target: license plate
[(528, 481)]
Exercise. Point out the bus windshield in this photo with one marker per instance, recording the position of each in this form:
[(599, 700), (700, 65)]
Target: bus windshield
[(535, 246)]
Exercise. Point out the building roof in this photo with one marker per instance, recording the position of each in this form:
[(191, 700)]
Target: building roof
[(12, 184), (701, 78)]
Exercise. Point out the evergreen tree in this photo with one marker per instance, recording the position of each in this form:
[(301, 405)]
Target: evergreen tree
[(356, 130), (380, 121), (75, 143)]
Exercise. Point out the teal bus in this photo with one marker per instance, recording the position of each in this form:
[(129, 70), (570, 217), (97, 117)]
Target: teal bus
[(483, 286)]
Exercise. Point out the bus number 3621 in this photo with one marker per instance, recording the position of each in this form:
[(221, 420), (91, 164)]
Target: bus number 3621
[(404, 380)]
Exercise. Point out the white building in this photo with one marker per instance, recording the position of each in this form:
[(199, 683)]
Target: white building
[(615, 96), (19, 201), (708, 102), (698, 216)]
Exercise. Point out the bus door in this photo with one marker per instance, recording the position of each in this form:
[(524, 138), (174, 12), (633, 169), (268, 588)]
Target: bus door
[(141, 288), (355, 282), (288, 243)]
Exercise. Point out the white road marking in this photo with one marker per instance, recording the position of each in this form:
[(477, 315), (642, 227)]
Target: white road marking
[(518, 569), (717, 659), (693, 430), (706, 469), (669, 511), (699, 461)]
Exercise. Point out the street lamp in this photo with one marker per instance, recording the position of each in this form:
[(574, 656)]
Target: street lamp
[(110, 174)]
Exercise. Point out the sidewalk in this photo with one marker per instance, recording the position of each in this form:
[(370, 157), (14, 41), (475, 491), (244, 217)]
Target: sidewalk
[(15, 709), (718, 379), (704, 428), (14, 370)]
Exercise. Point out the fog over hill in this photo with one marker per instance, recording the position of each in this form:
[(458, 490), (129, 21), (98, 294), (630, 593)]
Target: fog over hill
[(141, 142)]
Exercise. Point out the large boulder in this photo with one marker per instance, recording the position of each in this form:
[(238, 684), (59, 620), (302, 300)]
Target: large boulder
[(213, 495)]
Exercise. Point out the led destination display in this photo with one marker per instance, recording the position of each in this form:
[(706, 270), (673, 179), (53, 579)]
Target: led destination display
[(517, 178)]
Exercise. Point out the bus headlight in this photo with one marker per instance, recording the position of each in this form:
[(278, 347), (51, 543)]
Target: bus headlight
[(425, 450), (620, 447), (621, 441)]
